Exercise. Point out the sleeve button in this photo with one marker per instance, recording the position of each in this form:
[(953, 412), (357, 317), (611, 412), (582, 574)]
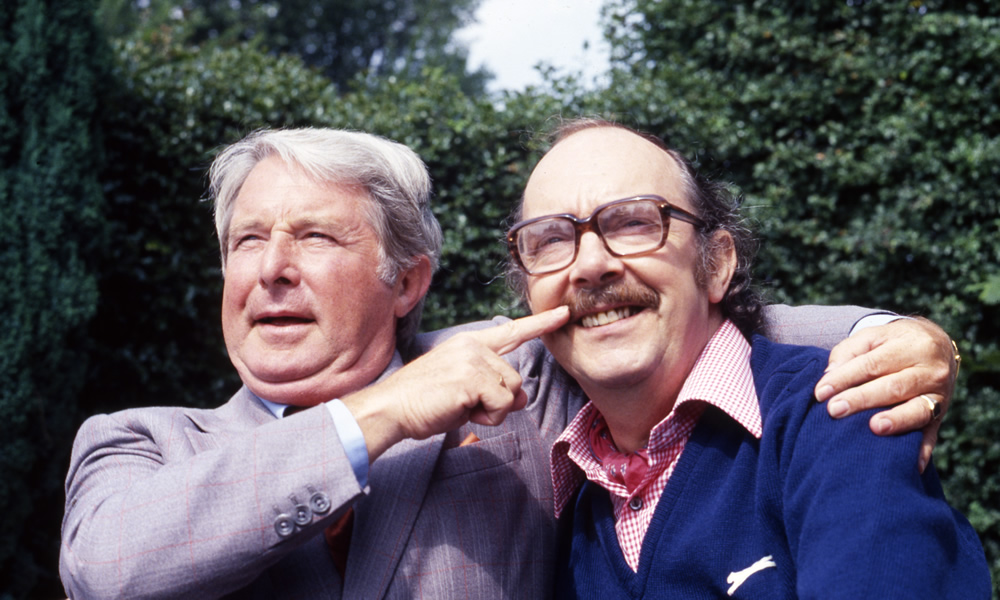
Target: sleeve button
[(284, 525), (302, 515), (320, 503)]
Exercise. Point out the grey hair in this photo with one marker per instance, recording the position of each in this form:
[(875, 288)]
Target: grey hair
[(393, 176), (713, 202)]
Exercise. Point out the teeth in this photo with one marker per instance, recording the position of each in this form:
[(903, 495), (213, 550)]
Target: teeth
[(606, 317)]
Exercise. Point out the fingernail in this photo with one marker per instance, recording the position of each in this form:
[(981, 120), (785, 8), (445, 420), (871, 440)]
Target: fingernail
[(883, 426), (838, 408), (824, 393), (923, 464), (830, 367)]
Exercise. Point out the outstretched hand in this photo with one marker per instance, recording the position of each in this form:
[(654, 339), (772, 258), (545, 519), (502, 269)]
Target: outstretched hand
[(893, 365), (464, 379)]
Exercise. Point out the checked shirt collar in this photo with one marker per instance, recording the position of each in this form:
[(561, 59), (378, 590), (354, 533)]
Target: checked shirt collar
[(721, 377)]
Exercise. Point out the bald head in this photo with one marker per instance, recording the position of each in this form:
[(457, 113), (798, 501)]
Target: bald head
[(599, 164)]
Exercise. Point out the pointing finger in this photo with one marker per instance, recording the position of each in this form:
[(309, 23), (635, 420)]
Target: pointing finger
[(507, 337)]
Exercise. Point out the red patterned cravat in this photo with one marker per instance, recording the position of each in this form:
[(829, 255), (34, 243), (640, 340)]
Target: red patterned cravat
[(627, 469)]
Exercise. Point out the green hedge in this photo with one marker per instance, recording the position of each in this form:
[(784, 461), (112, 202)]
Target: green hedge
[(50, 231)]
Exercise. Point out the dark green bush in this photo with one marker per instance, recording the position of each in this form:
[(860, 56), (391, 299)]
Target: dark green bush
[(50, 231)]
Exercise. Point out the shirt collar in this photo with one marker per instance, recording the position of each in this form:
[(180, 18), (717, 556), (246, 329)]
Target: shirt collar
[(278, 410), (720, 377)]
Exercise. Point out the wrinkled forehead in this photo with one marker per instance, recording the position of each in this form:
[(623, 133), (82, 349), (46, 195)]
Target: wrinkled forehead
[(595, 166)]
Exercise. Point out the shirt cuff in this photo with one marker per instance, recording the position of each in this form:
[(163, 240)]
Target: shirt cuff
[(352, 439), (874, 321)]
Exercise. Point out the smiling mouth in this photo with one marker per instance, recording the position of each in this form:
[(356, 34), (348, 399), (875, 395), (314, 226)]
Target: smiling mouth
[(608, 316)]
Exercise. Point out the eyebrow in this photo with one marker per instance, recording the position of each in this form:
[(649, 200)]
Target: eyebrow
[(309, 222), (237, 228), (336, 227), (296, 222)]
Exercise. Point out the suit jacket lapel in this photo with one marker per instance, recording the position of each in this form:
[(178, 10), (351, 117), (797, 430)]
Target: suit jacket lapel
[(384, 519), (214, 427)]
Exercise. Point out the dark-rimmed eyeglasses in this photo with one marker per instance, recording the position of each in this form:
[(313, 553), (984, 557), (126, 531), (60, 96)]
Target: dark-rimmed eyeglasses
[(627, 227)]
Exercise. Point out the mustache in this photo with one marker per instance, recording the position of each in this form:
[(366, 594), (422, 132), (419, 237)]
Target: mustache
[(582, 301)]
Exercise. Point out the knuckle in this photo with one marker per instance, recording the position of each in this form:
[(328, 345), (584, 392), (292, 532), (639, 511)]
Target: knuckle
[(941, 372), (859, 399), (870, 365), (461, 341), (896, 390), (509, 329), (513, 380)]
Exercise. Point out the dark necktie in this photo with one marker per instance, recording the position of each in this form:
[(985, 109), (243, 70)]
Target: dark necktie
[(338, 540)]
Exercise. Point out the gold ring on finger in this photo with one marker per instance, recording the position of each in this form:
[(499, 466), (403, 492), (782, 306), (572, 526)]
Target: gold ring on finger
[(932, 405)]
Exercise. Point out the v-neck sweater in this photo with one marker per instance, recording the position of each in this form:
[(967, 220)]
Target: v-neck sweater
[(814, 509)]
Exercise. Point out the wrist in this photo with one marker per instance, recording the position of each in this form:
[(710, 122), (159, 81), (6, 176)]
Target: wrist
[(377, 417)]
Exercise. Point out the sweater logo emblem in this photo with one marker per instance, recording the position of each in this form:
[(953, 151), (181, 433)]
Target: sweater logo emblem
[(736, 578)]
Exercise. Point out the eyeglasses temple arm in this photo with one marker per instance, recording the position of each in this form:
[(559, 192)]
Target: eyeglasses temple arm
[(682, 215)]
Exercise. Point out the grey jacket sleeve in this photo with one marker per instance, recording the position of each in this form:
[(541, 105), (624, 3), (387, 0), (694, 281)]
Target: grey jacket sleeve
[(813, 325), (159, 507)]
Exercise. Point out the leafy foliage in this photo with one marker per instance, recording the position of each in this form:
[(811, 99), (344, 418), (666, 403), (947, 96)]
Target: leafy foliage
[(342, 38), (865, 137), (51, 227), (479, 159)]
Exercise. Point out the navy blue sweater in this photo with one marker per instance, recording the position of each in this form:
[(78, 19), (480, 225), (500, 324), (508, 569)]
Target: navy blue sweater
[(840, 512)]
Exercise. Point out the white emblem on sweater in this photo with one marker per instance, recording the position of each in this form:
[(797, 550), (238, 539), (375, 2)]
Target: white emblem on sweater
[(736, 578)]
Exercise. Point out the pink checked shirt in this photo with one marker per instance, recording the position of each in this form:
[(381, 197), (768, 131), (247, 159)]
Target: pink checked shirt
[(721, 376)]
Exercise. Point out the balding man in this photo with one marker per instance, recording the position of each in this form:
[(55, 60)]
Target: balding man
[(702, 467)]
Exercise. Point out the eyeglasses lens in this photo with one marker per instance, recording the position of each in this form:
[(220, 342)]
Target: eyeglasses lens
[(547, 245), (627, 228)]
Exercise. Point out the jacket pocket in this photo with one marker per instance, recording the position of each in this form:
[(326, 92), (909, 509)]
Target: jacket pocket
[(479, 456)]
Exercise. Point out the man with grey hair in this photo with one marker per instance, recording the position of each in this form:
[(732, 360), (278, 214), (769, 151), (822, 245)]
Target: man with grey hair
[(328, 246), (335, 471)]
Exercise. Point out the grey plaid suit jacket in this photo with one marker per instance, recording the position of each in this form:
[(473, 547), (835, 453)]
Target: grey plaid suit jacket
[(182, 503)]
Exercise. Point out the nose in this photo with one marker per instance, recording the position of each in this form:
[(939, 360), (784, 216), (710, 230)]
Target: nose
[(594, 264), (278, 263)]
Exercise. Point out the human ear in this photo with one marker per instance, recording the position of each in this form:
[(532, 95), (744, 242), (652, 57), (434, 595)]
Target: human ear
[(412, 285), (723, 266)]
